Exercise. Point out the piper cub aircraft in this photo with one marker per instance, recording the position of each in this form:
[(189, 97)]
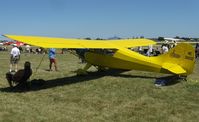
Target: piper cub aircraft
[(178, 61)]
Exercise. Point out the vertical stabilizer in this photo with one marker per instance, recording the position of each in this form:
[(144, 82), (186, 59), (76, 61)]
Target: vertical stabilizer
[(179, 60)]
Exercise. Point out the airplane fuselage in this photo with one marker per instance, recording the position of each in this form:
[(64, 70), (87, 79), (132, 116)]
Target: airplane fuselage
[(179, 60), (123, 59)]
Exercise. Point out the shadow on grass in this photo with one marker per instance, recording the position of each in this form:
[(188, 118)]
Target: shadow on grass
[(169, 80), (39, 84)]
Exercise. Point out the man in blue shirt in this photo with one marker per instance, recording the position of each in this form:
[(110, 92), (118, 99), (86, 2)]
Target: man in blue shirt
[(52, 58)]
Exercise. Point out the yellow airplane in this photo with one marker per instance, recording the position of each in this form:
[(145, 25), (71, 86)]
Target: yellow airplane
[(179, 60)]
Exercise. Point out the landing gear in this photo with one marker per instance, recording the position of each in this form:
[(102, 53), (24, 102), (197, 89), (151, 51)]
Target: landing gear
[(84, 70), (184, 78), (101, 69), (87, 66)]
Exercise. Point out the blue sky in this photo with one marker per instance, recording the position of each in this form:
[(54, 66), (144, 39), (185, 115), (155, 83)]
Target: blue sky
[(100, 18)]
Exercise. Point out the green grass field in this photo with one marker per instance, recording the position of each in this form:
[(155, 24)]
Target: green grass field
[(100, 96)]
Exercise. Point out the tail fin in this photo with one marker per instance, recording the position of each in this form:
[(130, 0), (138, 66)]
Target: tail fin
[(179, 60)]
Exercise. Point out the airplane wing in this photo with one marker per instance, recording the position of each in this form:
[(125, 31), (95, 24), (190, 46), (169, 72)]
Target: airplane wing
[(47, 42)]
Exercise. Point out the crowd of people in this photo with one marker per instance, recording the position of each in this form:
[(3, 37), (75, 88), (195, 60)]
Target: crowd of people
[(3, 48), (165, 47), (39, 50), (155, 51)]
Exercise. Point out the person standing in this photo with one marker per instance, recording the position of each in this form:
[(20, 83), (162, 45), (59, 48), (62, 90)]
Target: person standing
[(140, 49), (197, 50), (52, 58), (14, 58), (27, 48), (150, 50), (164, 49)]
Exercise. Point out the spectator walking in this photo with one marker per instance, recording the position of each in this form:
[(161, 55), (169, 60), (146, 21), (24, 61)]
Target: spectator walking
[(52, 58), (14, 58)]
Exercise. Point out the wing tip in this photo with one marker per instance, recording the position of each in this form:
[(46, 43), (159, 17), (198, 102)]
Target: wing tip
[(6, 35)]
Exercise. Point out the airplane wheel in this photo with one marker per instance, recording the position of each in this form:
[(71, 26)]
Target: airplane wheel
[(102, 69), (81, 72)]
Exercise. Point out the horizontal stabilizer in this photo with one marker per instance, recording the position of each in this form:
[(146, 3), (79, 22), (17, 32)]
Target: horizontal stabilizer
[(174, 68)]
